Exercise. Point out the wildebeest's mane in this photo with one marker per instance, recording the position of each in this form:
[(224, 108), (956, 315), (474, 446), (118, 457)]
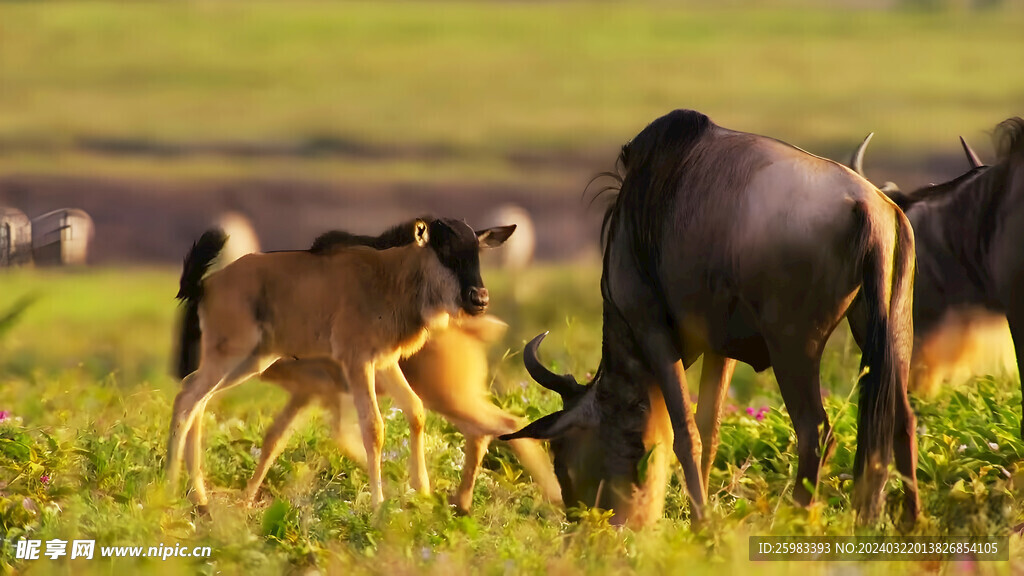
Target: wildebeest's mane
[(1009, 137), (399, 235), (652, 165)]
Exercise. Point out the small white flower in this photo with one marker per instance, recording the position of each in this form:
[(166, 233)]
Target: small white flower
[(962, 448), (993, 445), (256, 452)]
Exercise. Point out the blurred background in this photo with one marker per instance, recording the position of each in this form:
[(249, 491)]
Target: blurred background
[(156, 119)]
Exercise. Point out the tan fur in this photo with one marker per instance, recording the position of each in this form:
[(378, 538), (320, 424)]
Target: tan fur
[(967, 342), (449, 374), (364, 309)]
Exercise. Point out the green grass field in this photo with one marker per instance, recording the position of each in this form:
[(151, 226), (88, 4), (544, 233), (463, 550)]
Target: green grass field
[(474, 82), (86, 403)]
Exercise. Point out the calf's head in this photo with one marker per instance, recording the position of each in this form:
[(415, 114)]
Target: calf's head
[(457, 247)]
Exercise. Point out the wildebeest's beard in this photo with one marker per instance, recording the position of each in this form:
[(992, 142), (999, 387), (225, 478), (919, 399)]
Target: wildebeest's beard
[(458, 249)]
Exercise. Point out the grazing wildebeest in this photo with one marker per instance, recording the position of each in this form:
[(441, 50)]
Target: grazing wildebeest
[(449, 374), (970, 242), (735, 246), (361, 307)]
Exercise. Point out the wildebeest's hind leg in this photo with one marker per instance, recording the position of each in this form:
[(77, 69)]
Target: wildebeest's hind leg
[(799, 381), (476, 447), (194, 459), (275, 441), (1015, 317), (715, 376), (412, 407), (197, 388)]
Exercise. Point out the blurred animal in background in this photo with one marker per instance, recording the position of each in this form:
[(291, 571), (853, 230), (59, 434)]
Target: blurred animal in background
[(242, 238), (62, 237), (363, 308), (449, 374), (734, 246), (517, 253), (970, 254), (15, 237)]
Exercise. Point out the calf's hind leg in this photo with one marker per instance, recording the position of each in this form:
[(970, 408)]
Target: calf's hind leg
[(197, 389)]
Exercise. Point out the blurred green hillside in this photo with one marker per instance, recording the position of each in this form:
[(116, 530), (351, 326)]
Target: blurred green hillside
[(209, 85)]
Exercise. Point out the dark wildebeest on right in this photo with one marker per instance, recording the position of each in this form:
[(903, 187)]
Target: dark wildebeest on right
[(734, 246), (970, 241)]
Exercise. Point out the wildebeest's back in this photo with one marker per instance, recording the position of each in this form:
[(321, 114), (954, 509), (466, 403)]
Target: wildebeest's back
[(760, 233), (301, 303)]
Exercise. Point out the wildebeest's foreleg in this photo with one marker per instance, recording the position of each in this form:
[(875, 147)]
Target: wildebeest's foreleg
[(360, 377), (668, 367), (346, 428), (799, 382), (275, 441), (715, 375), (412, 407), (476, 447)]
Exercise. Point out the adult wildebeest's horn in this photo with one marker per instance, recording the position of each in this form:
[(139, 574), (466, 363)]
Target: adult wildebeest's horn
[(857, 165), (857, 160), (564, 384), (971, 156)]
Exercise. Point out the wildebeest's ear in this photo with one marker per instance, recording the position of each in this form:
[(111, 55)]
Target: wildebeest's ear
[(494, 237), (421, 233), (550, 426)]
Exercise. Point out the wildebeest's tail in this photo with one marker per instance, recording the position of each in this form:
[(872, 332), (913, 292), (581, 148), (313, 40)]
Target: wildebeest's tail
[(888, 286), (190, 292)]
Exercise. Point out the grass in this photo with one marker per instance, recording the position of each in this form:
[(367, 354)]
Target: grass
[(86, 398), (479, 81)]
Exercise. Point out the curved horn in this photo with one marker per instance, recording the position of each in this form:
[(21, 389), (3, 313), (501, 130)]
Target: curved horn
[(857, 160), (971, 156), (564, 384)]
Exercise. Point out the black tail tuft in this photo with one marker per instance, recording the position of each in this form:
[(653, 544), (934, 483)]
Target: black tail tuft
[(888, 286), (190, 292)]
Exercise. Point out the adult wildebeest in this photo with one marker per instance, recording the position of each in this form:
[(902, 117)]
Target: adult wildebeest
[(361, 307), (970, 242), (735, 246), (449, 374)]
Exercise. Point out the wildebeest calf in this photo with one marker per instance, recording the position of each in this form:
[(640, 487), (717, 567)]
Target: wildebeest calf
[(363, 308)]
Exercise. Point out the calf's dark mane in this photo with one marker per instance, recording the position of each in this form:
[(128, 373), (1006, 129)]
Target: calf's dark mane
[(399, 235)]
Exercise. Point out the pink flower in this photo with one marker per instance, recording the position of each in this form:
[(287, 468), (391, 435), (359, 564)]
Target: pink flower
[(4, 414), (45, 478), (750, 411), (762, 413)]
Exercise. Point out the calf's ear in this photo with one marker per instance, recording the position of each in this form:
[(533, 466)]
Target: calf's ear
[(494, 237), (421, 233)]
